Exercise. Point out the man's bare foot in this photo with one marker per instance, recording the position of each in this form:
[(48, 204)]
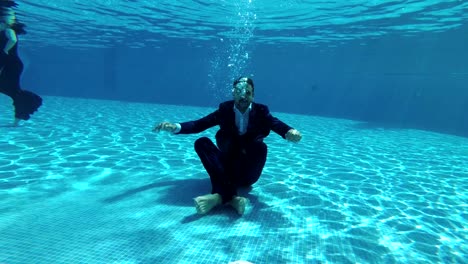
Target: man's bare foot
[(239, 203), (205, 203)]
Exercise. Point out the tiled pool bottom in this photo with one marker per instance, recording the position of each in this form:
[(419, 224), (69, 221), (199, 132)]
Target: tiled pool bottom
[(86, 181)]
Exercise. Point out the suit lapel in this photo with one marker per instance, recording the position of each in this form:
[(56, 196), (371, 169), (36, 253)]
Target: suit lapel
[(231, 116), (251, 117)]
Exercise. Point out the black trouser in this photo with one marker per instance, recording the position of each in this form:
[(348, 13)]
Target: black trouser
[(235, 164)]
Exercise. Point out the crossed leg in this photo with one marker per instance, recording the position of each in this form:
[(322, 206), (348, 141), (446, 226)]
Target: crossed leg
[(205, 203), (223, 189)]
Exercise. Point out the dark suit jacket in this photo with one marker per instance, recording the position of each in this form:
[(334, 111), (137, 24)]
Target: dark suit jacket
[(261, 122)]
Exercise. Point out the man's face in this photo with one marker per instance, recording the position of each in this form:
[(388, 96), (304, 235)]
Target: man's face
[(243, 94)]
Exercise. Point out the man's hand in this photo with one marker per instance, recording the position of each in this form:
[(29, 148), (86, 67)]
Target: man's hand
[(165, 126), (293, 135)]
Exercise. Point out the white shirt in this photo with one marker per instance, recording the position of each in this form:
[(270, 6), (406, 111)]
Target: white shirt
[(242, 120)]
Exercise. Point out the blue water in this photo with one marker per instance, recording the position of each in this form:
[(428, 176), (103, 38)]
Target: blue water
[(377, 88), (86, 181), (146, 23)]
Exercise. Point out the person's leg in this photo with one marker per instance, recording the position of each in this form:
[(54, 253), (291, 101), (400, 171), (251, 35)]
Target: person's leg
[(253, 160), (247, 171), (222, 191), (239, 203), (16, 122), (233, 164), (25, 104)]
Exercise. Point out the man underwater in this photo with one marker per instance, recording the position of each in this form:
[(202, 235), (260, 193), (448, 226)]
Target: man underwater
[(238, 158)]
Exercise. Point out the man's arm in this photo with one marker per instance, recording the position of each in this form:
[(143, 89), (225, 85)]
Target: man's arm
[(202, 124), (282, 129), (191, 127), (293, 135), (166, 126), (11, 36)]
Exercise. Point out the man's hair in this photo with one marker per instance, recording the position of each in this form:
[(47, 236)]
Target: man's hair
[(7, 16), (244, 79)]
